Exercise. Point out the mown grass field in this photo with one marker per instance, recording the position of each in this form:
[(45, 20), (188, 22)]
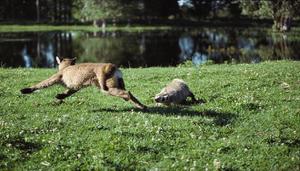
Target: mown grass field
[(250, 121), (89, 28)]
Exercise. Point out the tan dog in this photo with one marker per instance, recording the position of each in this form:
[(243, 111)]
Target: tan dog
[(106, 76)]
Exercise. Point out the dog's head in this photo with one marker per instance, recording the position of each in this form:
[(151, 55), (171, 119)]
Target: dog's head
[(65, 62)]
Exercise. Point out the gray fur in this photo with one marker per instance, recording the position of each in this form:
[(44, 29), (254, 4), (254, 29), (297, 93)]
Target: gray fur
[(175, 92)]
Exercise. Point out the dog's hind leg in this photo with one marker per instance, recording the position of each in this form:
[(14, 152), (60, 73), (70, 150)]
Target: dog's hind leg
[(65, 94), (126, 95)]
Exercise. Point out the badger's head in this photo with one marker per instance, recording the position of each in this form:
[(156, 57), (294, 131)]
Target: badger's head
[(63, 63), (161, 98)]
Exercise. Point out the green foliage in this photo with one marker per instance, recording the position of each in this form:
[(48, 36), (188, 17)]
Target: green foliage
[(97, 9), (250, 121), (249, 6), (269, 9), (101, 9), (281, 11)]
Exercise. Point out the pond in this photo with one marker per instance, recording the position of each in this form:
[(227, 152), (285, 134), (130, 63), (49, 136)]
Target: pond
[(149, 48)]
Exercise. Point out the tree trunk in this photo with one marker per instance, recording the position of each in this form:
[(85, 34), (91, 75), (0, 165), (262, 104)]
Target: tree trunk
[(59, 11), (286, 23), (282, 23), (128, 22), (54, 11), (37, 3), (103, 24), (69, 11), (95, 24)]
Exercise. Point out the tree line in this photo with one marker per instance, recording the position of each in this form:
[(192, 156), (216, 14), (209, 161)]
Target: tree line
[(50, 11), (98, 12)]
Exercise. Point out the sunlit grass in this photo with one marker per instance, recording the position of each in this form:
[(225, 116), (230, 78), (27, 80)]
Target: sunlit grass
[(30, 28), (250, 121), (292, 35)]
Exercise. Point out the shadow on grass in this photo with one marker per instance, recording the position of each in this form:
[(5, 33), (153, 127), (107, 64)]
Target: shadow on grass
[(2, 157), (286, 141), (25, 147), (220, 118)]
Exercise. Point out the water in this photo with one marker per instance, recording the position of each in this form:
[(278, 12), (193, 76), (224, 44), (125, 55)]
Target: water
[(146, 49)]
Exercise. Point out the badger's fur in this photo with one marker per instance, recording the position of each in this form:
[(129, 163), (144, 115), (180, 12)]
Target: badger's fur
[(175, 92)]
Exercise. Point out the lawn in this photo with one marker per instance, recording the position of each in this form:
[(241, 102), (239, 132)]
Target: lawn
[(250, 121), (90, 28)]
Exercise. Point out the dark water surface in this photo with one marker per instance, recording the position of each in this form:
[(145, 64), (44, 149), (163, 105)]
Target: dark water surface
[(145, 49)]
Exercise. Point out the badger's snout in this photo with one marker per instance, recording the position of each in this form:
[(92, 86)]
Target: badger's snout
[(157, 99), (161, 99)]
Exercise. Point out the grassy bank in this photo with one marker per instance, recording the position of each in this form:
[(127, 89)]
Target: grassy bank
[(34, 28), (250, 121)]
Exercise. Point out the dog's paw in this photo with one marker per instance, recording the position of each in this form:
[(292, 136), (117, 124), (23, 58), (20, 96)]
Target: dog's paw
[(60, 96), (27, 90)]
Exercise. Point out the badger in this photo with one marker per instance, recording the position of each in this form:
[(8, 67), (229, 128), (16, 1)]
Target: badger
[(175, 92)]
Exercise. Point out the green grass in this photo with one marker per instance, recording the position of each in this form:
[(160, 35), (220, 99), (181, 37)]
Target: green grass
[(31, 28), (250, 121)]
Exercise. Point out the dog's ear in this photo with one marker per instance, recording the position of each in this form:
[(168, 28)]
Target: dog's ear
[(58, 60), (73, 61)]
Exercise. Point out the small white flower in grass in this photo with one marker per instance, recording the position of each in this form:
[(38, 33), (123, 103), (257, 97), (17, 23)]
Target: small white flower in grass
[(45, 163), (217, 164), (158, 130)]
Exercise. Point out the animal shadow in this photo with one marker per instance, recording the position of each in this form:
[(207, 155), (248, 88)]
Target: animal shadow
[(24, 146), (220, 118)]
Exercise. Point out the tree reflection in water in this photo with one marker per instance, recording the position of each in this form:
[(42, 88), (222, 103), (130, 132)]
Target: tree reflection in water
[(149, 48)]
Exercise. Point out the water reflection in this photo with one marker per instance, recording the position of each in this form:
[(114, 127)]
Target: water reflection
[(199, 58), (27, 59), (48, 53), (144, 49), (186, 44)]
